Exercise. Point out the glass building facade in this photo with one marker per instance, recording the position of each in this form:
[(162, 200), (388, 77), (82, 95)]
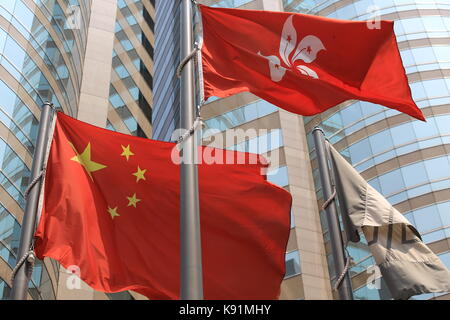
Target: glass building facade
[(43, 52), (406, 160), (166, 110), (41, 55), (130, 96)]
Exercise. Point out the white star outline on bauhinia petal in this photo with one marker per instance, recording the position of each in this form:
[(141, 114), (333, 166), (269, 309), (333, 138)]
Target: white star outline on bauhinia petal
[(307, 51)]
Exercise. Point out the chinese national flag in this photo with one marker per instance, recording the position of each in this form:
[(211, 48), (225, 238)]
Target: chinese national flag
[(302, 63), (111, 207)]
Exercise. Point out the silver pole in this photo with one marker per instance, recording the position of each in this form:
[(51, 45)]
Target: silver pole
[(20, 284), (337, 244), (191, 285)]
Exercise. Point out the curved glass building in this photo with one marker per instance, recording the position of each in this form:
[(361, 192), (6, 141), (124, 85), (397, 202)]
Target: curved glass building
[(94, 61), (41, 55), (406, 160)]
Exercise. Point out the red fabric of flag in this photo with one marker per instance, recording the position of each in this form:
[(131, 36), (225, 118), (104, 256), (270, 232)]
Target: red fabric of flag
[(302, 63), (111, 208)]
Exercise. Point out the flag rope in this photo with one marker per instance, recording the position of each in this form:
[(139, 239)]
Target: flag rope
[(201, 91), (342, 275), (33, 183), (196, 55), (348, 258), (29, 257), (330, 199), (198, 121), (183, 62)]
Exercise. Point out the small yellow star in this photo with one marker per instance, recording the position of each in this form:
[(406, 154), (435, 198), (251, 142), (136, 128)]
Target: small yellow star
[(85, 160), (127, 152), (113, 212), (139, 174), (132, 201)]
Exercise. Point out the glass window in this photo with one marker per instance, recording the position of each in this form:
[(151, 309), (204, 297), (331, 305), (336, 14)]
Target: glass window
[(423, 55), (9, 230), (366, 293), (351, 114), (407, 149), (417, 191), (445, 258), (381, 141), (278, 176), (427, 219), (391, 182), (397, 198), (418, 91), (292, 264), (332, 124), (292, 219), (407, 56), (433, 23), (437, 168), (439, 185), (375, 118), (435, 88), (410, 217), (370, 108), (442, 123), (412, 25), (270, 141), (375, 183), (5, 290), (444, 212), (403, 133), (442, 53), (250, 112), (2, 39), (433, 236), (360, 150), (15, 53), (385, 156), (241, 115), (414, 174), (331, 267), (425, 129), (261, 144), (265, 108)]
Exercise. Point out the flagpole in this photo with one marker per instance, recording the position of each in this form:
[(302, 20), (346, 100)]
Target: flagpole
[(191, 284), (23, 270), (334, 229)]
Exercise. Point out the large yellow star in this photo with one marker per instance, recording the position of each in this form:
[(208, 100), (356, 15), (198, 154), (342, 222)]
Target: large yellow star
[(113, 212), (127, 152), (132, 201), (139, 174), (85, 160)]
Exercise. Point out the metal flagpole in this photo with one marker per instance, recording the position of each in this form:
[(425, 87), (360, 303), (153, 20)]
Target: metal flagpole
[(191, 285), (25, 255), (337, 245)]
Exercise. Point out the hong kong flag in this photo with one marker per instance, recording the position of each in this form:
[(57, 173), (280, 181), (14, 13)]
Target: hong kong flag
[(302, 63)]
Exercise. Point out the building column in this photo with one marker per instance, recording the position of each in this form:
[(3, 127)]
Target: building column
[(94, 95), (308, 230), (93, 108)]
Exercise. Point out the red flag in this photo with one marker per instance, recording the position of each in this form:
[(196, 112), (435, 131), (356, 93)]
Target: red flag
[(302, 63), (111, 207)]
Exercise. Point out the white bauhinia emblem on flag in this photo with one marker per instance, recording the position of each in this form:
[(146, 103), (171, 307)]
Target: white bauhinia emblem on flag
[(307, 50)]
